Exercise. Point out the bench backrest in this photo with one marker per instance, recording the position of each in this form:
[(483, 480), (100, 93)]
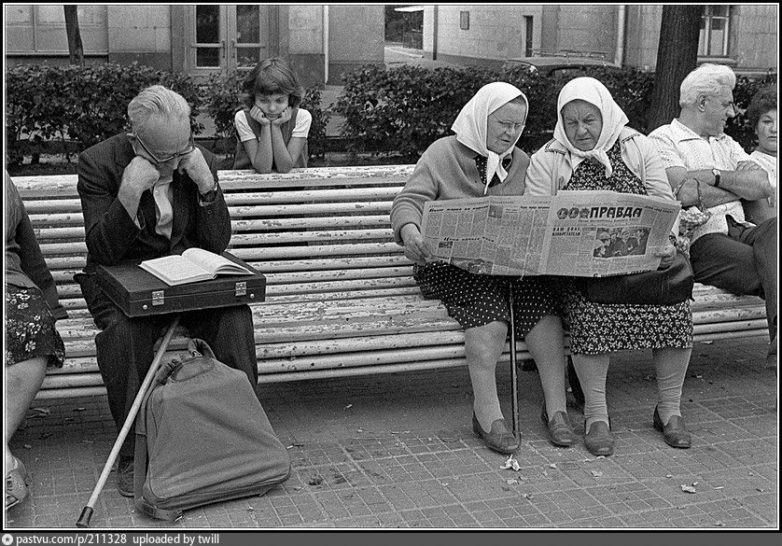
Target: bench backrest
[(314, 233)]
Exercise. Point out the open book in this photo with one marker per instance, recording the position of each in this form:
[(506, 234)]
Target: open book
[(195, 264)]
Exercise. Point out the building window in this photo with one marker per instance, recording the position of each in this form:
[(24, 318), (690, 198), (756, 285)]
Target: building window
[(40, 29), (464, 20), (715, 27)]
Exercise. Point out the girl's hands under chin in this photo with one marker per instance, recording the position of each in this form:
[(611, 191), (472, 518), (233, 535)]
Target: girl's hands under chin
[(283, 117)]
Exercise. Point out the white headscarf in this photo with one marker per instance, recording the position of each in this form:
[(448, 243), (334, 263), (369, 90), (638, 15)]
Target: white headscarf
[(470, 124), (614, 119)]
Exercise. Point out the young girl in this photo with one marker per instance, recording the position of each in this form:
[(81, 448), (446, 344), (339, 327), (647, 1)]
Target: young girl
[(271, 129)]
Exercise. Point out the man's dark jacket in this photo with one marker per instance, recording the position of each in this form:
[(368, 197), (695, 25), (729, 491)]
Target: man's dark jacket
[(112, 235)]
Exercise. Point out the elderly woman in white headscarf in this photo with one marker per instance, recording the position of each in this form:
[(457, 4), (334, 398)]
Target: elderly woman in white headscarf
[(481, 159), (593, 149)]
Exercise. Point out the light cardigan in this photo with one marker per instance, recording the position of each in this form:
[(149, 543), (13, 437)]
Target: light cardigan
[(550, 167), (447, 170)]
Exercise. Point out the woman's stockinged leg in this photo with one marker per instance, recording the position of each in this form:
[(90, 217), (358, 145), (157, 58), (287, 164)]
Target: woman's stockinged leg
[(23, 380), (545, 344), (671, 366), (483, 346), (592, 371)]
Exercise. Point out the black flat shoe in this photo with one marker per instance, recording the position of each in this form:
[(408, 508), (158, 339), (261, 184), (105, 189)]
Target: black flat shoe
[(560, 433), (599, 440), (674, 433), (499, 439)]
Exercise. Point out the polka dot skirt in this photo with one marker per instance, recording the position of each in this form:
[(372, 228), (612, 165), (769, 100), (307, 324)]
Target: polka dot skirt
[(476, 300)]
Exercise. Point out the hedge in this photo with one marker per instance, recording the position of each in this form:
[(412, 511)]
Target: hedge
[(84, 105), (81, 106), (404, 109), (400, 110)]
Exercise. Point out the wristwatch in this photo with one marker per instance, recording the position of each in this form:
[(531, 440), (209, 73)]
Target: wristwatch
[(716, 174), (209, 196)]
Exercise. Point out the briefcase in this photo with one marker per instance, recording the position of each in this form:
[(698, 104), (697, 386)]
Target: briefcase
[(140, 294)]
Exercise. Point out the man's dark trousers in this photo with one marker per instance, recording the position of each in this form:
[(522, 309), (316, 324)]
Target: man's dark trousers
[(744, 262)]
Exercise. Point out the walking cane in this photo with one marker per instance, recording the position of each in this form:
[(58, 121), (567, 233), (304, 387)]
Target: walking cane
[(513, 371), (86, 513)]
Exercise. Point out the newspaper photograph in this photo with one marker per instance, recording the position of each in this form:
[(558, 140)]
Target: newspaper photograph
[(574, 233)]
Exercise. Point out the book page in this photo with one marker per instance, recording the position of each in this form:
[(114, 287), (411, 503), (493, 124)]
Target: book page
[(214, 263), (175, 270)]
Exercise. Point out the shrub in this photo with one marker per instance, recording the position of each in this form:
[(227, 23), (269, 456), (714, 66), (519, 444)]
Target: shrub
[(84, 104), (316, 140), (404, 109), (407, 108), (222, 95)]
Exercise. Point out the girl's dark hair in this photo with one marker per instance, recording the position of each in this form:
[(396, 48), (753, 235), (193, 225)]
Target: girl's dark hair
[(270, 77), (764, 101)]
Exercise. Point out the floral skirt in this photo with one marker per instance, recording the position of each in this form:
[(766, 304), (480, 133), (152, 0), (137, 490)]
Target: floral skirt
[(29, 328)]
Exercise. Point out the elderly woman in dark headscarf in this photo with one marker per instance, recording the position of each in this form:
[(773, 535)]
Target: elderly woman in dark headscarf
[(482, 159), (593, 149)]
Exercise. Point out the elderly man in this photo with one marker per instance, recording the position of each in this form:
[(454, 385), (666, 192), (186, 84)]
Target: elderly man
[(701, 160), (147, 194)]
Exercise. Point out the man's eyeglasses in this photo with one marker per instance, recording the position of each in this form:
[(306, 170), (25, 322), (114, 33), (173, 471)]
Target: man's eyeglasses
[(166, 159)]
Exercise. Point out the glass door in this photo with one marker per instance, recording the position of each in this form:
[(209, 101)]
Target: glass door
[(224, 38), (250, 43)]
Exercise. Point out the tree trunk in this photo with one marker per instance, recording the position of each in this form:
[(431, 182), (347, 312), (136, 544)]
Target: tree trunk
[(677, 56), (75, 49)]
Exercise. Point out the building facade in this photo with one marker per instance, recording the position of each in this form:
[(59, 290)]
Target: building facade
[(742, 36), (320, 41)]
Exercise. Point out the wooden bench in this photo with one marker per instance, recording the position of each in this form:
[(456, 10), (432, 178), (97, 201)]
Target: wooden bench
[(341, 300)]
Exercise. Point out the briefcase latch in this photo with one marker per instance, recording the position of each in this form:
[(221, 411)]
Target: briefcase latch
[(241, 289), (158, 297)]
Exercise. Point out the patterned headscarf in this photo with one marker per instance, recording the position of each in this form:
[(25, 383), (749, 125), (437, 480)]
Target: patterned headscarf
[(470, 124), (614, 119)]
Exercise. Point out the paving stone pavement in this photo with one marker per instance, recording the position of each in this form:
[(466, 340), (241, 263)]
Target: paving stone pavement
[(397, 451)]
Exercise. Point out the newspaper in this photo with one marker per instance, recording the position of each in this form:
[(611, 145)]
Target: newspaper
[(575, 233)]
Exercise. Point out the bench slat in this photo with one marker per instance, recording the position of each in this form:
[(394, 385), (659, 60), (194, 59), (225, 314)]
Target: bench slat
[(276, 238), (55, 185), (274, 211), (307, 196)]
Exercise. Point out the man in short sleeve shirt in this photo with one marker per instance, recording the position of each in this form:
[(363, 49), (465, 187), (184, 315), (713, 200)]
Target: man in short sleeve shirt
[(703, 162)]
